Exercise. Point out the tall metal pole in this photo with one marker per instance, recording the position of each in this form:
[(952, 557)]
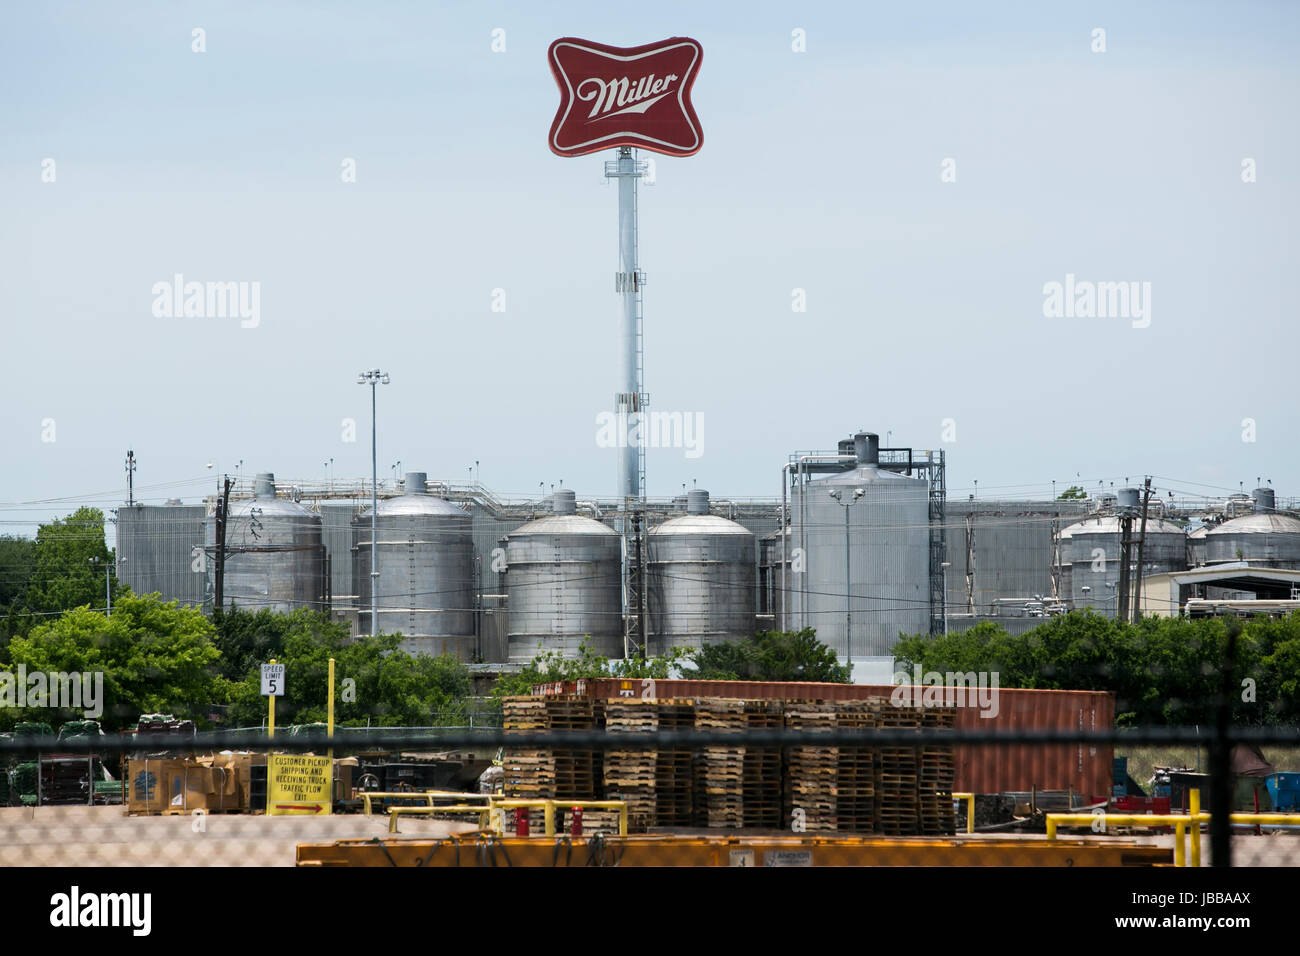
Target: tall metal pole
[(848, 596), (374, 378), (374, 511), (630, 400), (627, 283)]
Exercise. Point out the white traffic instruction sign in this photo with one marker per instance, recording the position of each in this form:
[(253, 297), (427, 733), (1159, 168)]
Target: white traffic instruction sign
[(272, 680)]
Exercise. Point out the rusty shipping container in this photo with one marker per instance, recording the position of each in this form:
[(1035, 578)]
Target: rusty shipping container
[(980, 768)]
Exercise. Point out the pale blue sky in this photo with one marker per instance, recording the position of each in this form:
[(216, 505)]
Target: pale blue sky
[(820, 170)]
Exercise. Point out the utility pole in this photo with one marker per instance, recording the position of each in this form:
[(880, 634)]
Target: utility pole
[(1125, 556), (1142, 537), (223, 509), (130, 477)]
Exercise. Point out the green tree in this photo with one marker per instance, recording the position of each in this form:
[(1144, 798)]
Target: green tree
[(249, 639), (1163, 670), (773, 656), (153, 656), (376, 682), (1073, 493), (17, 561), (63, 575)]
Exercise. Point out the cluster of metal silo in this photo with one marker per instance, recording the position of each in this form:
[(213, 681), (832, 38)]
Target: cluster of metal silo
[(425, 588), (275, 557), (862, 537), (1264, 537), (700, 579), (563, 584), (1090, 556)]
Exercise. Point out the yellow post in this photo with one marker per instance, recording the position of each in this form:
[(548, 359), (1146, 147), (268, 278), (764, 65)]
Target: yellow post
[(329, 710), (270, 718), (1195, 799), (1180, 848)]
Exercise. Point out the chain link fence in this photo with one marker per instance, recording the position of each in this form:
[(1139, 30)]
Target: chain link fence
[(798, 793)]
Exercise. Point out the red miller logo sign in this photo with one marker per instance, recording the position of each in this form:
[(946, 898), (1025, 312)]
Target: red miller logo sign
[(635, 96)]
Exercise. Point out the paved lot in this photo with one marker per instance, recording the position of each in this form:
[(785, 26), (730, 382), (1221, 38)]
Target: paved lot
[(105, 836)]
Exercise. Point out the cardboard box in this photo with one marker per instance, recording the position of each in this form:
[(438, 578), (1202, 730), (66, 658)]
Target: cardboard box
[(176, 785), (149, 782), (239, 764)]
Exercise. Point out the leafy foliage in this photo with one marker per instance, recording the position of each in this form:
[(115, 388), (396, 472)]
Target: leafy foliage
[(1073, 493), (376, 682), (17, 562), (154, 656), (1162, 670), (771, 655), (63, 576), (551, 666)]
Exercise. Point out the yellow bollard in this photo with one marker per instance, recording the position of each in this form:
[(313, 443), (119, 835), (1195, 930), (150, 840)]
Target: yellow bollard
[(1195, 804), (329, 711), (1180, 848), (270, 717)]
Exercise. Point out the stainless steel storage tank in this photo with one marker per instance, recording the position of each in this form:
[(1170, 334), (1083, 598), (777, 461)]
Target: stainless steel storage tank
[(888, 552), (700, 579), (275, 557), (1092, 547), (426, 571), (1196, 546), (1265, 538), (160, 549), (564, 583)]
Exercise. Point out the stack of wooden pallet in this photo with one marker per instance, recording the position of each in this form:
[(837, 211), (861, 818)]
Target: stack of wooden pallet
[(938, 770), (810, 780), (630, 774), (575, 768), (855, 782), (896, 787), (529, 771), (761, 782), (719, 771), (675, 766)]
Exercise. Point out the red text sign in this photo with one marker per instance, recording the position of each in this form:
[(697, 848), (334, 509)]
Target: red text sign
[(634, 96)]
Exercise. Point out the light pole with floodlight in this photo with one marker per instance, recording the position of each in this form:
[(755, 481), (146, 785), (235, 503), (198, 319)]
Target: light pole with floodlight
[(848, 575), (374, 377)]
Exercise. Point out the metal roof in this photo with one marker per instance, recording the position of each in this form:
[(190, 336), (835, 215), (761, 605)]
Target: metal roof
[(1269, 522), (700, 524), (416, 506), (563, 524), (1109, 524)]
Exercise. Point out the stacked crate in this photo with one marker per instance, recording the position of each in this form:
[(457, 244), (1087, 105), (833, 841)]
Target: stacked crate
[(575, 767), (897, 804), (761, 781), (529, 773), (855, 780), (630, 774), (938, 770), (810, 780), (675, 766), (719, 771)]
